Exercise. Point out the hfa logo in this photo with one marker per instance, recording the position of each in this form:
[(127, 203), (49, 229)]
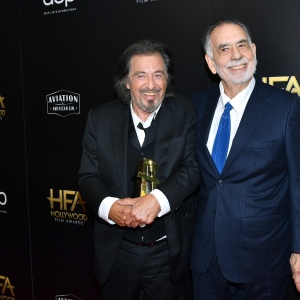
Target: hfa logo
[(6, 288), (63, 103), (67, 201), (292, 83), (2, 107), (3, 200), (51, 2)]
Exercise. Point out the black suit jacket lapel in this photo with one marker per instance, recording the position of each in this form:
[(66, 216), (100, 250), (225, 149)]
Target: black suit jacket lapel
[(132, 136)]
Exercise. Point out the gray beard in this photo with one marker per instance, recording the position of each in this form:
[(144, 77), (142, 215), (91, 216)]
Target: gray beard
[(246, 77), (149, 109)]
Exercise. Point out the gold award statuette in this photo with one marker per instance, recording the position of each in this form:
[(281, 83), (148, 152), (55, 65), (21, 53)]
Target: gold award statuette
[(146, 180)]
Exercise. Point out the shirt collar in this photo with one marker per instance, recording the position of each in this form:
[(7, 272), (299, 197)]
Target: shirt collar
[(240, 100), (136, 120)]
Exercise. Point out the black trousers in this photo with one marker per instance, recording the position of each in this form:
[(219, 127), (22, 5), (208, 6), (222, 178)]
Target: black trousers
[(142, 273), (213, 286)]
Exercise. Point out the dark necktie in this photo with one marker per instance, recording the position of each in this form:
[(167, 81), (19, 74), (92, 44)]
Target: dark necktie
[(221, 143), (140, 126)]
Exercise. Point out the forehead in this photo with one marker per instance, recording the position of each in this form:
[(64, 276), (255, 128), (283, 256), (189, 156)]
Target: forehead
[(227, 34), (152, 62)]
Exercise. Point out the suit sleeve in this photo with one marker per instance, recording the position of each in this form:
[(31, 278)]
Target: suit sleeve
[(293, 160), (91, 186), (185, 179)]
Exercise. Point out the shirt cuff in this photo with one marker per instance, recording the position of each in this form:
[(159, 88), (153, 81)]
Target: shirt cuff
[(163, 202), (104, 209)]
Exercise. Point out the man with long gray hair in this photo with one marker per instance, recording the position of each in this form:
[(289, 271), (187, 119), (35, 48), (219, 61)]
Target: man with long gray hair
[(142, 241)]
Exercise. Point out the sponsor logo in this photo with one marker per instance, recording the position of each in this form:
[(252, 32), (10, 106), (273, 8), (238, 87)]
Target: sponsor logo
[(58, 4), (63, 103), (6, 289), (52, 2), (3, 201), (66, 297), (288, 83), (63, 207), (2, 107)]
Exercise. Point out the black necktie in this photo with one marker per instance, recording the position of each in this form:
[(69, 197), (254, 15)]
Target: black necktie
[(140, 126)]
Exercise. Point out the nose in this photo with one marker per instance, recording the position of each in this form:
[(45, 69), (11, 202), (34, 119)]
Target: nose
[(150, 83), (235, 53)]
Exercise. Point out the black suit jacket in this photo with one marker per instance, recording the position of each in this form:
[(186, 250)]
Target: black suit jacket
[(103, 173), (250, 213)]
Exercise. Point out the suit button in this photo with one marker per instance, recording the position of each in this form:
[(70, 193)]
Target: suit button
[(214, 212), (142, 153), (220, 182)]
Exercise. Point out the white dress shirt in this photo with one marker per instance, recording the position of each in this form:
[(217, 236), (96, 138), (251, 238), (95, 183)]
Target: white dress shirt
[(238, 103), (159, 195)]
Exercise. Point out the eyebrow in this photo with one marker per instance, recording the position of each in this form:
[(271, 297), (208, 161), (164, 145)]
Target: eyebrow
[(142, 72), (238, 42), (242, 41), (223, 45)]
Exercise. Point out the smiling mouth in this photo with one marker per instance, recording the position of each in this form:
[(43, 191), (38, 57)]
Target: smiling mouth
[(237, 67), (150, 93)]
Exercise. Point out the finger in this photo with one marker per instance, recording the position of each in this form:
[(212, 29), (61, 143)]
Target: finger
[(134, 224), (126, 202), (121, 224), (128, 222)]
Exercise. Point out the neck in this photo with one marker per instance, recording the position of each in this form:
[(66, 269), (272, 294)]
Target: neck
[(142, 115), (231, 90)]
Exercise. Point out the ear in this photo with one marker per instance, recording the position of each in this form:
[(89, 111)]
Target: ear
[(127, 85), (210, 64)]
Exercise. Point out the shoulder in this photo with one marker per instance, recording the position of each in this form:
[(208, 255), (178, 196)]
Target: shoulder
[(108, 111), (203, 96), (280, 99), (266, 90), (178, 102)]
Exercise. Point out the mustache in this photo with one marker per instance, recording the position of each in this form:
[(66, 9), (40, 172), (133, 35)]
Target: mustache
[(154, 90), (237, 62)]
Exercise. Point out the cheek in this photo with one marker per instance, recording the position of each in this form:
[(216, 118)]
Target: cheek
[(136, 87), (163, 85)]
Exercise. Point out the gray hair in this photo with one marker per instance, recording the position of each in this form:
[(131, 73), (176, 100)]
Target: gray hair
[(206, 37)]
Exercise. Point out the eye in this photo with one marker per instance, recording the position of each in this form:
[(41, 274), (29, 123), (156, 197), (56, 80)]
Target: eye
[(224, 50), (243, 46), (158, 76)]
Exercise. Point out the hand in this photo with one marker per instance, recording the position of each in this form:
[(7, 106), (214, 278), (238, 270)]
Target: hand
[(145, 210), (120, 210), (295, 265)]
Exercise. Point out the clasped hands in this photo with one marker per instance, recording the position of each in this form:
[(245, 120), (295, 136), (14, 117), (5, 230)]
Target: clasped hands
[(132, 212)]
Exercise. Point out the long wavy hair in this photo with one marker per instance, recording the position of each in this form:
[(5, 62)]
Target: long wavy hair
[(142, 47)]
